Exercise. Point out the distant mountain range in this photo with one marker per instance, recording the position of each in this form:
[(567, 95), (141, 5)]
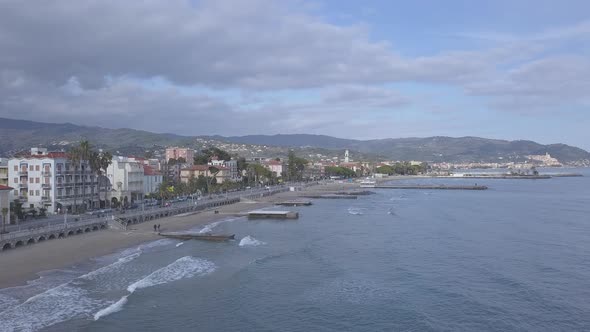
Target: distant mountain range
[(16, 135)]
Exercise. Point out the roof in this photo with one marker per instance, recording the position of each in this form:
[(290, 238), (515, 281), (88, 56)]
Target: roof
[(148, 170), (5, 187), (203, 168), (49, 155), (273, 162)]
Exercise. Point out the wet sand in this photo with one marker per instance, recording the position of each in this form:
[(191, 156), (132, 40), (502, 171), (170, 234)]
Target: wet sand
[(20, 265)]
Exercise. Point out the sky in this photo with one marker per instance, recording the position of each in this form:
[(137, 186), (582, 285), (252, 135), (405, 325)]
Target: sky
[(367, 69)]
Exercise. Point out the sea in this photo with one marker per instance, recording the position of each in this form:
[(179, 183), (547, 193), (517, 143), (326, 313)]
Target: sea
[(515, 257)]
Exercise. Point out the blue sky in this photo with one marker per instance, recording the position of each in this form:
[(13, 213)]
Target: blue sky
[(370, 69)]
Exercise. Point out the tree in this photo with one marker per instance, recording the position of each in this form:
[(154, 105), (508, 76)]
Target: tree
[(206, 154), (295, 167), (4, 214)]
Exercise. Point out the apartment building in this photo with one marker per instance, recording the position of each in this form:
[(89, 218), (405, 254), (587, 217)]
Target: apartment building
[(198, 170), (126, 177), (231, 165), (48, 180), (175, 153), (152, 179), (3, 172)]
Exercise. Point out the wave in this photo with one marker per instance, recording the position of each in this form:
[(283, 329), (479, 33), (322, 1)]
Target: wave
[(249, 241), (51, 307), (121, 261), (209, 227), (115, 307), (179, 244), (185, 267), (355, 211)]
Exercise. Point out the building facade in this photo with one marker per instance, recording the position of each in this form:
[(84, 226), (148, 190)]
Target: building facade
[(175, 153), (126, 177), (197, 170), (3, 172), (231, 165), (275, 166), (152, 179), (50, 181)]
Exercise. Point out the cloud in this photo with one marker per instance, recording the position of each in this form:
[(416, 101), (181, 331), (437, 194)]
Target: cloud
[(258, 44)]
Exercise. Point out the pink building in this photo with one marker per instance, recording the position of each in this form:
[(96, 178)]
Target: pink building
[(275, 166), (185, 153)]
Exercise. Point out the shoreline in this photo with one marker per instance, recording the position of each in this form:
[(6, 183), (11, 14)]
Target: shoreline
[(23, 265)]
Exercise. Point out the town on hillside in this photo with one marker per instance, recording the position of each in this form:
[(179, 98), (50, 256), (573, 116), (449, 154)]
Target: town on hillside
[(38, 182)]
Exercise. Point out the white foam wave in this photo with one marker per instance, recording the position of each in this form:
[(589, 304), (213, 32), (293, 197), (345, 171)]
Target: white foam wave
[(209, 228), (185, 267), (121, 261), (157, 243), (179, 244), (249, 241), (115, 307), (51, 307), (355, 211)]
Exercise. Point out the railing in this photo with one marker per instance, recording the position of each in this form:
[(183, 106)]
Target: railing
[(46, 173), (46, 199), (46, 185), (23, 173), (23, 185), (51, 228)]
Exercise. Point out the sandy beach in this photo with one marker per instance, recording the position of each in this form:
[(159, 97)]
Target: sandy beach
[(20, 265)]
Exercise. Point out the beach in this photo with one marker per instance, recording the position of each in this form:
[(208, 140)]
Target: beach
[(25, 263)]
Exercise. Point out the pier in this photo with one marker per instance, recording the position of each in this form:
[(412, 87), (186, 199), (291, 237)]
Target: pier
[(294, 203), (262, 214), (439, 187), (331, 196), (198, 236)]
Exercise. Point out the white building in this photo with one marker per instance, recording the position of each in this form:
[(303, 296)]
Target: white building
[(126, 177), (152, 179), (48, 180), (231, 165)]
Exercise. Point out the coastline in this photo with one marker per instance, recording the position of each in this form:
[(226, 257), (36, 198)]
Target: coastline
[(26, 263)]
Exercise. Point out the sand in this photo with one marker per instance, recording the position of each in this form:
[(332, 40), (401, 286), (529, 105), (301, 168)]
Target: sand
[(17, 266)]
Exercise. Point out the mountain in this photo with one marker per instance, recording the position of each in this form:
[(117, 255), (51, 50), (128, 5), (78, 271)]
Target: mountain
[(16, 135)]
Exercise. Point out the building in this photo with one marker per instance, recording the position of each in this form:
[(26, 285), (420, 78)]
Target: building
[(175, 153), (152, 179), (313, 171), (48, 180), (126, 177), (3, 172), (197, 170), (275, 166), (5, 203), (231, 165)]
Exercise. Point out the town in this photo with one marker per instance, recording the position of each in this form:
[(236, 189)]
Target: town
[(82, 180)]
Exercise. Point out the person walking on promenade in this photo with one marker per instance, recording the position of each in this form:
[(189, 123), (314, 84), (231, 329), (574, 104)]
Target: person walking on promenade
[(158, 227), (155, 227)]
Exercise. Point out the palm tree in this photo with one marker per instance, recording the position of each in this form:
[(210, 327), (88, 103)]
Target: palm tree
[(74, 157), (106, 159), (4, 214), (85, 151)]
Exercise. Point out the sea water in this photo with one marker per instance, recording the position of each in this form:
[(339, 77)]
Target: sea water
[(513, 258)]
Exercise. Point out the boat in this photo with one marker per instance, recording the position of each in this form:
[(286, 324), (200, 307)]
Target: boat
[(199, 236)]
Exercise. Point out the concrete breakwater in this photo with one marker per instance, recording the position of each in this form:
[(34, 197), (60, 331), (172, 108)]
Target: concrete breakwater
[(440, 187)]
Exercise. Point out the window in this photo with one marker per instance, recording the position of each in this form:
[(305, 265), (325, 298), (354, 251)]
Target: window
[(31, 193), (15, 168), (37, 167), (37, 193), (31, 168), (36, 180), (31, 180), (16, 193), (15, 180)]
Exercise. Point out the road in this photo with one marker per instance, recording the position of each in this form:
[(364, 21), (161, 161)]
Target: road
[(61, 219)]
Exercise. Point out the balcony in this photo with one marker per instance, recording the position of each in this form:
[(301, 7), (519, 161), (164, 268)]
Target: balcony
[(59, 185), (46, 199), (46, 173), (46, 185), (23, 172), (23, 185)]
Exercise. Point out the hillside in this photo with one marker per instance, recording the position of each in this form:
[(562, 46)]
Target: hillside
[(16, 135)]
